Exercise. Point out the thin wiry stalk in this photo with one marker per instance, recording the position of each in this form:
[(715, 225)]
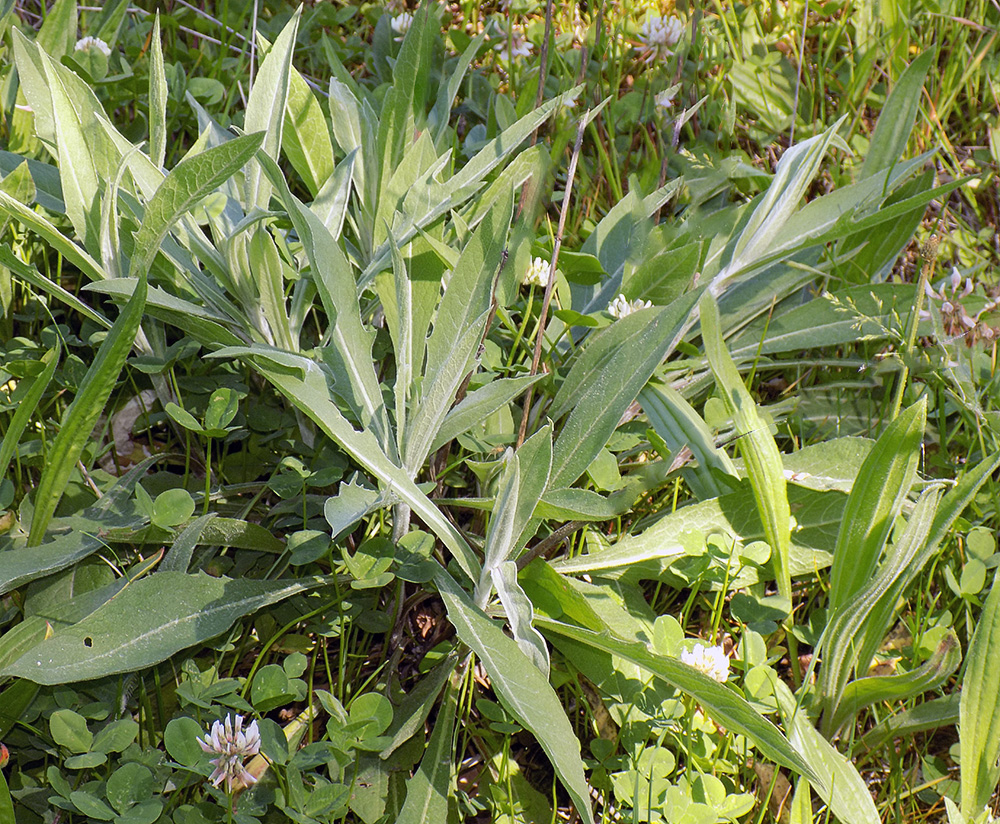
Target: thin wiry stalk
[(798, 73), (536, 359)]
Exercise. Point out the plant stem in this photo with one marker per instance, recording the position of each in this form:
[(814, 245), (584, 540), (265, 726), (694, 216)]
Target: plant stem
[(552, 275)]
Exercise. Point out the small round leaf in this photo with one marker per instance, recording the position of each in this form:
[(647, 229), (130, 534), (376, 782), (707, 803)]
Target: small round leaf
[(128, 785), (181, 739), (173, 507)]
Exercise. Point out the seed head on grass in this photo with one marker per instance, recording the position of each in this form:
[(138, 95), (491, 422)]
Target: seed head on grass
[(232, 744)]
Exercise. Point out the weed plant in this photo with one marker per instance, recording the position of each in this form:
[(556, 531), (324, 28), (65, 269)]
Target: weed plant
[(499, 413)]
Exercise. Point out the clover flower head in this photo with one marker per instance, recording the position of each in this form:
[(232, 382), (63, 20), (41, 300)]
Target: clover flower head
[(658, 37), (92, 44), (712, 661), (232, 744), (954, 317), (621, 307), (537, 274), (516, 45), (401, 25)]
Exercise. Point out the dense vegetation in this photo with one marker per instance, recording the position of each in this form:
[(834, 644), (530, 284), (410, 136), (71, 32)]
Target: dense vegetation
[(499, 413)]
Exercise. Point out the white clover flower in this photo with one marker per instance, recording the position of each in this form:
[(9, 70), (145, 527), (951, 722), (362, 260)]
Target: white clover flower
[(537, 274), (514, 46), (93, 43), (232, 744), (401, 25), (712, 661), (658, 36), (955, 318), (620, 307)]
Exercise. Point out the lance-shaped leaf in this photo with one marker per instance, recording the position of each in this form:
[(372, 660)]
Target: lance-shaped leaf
[(875, 501), (350, 351), (756, 445), (855, 630), (600, 388), (157, 98), (188, 182), (148, 621), (864, 692), (722, 703), (979, 721), (266, 108), (522, 689), (82, 414), (428, 791), (676, 421), (520, 615)]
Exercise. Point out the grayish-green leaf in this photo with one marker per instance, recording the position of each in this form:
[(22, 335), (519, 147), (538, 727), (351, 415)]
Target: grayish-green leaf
[(480, 404), (188, 182), (520, 615), (149, 621), (979, 712), (157, 98), (895, 121), (602, 388), (722, 703), (522, 689), (756, 444), (349, 353), (266, 108), (303, 382), (839, 784)]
